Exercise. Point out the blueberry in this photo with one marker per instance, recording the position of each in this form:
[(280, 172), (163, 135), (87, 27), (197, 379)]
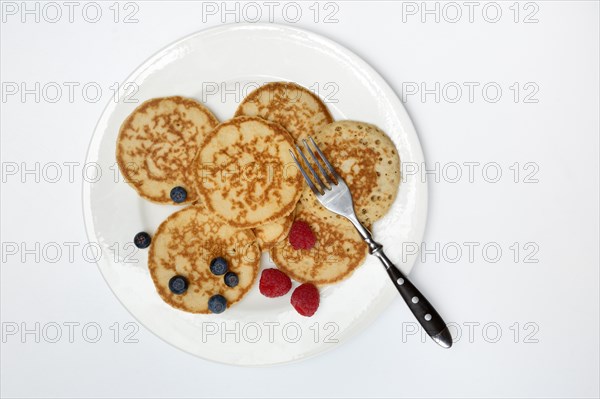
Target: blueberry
[(217, 304), (178, 194), (142, 240), (218, 266), (178, 285), (231, 279)]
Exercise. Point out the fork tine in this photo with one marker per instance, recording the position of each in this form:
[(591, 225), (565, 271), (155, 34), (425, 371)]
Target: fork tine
[(315, 175), (312, 154), (308, 181), (333, 172)]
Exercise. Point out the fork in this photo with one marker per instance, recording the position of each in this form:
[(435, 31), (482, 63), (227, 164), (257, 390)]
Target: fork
[(336, 197)]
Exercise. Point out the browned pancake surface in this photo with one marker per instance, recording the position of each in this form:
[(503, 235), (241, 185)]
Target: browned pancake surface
[(367, 160), (185, 243), (338, 252), (157, 144), (268, 235), (292, 106), (244, 172)]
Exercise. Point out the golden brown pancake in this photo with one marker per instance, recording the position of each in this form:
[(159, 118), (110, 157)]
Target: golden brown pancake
[(184, 245), (157, 144), (270, 234), (294, 107), (245, 173), (367, 160), (338, 252)]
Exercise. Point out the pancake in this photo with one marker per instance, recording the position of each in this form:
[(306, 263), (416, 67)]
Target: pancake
[(158, 142), (245, 173), (270, 234), (185, 243), (367, 160), (338, 252), (294, 107)]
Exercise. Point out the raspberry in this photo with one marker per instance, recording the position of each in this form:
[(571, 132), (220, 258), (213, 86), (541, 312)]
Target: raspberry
[(305, 299), (274, 283), (301, 236)]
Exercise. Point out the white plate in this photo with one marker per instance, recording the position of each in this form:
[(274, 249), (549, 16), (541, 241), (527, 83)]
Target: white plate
[(258, 330)]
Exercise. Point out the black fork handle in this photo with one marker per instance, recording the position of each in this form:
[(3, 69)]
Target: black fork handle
[(426, 314)]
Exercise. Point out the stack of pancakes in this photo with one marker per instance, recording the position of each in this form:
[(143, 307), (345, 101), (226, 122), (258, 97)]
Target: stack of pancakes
[(244, 191)]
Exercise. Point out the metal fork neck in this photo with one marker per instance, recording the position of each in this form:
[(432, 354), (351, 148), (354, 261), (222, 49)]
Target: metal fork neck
[(375, 248)]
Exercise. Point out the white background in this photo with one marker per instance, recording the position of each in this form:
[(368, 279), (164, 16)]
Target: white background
[(559, 214)]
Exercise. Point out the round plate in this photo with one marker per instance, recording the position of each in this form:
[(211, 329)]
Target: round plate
[(219, 67)]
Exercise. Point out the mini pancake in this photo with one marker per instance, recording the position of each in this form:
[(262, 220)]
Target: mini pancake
[(244, 172), (367, 160), (184, 245), (338, 252), (270, 234), (294, 107), (157, 144)]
